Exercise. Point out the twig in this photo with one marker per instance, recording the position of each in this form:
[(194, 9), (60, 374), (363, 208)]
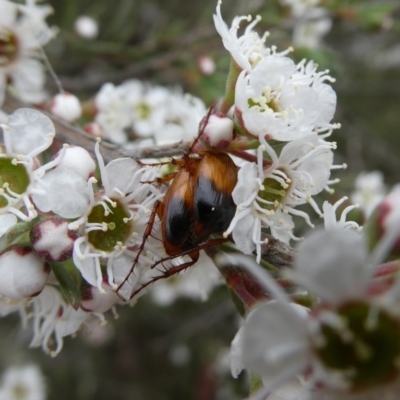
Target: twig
[(66, 133), (277, 253)]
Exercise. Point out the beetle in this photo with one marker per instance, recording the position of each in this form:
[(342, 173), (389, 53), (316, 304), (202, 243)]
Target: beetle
[(198, 203)]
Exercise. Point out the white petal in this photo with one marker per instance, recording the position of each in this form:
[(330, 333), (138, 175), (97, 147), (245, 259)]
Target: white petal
[(332, 264), (246, 184), (7, 221), (29, 131), (120, 173), (243, 234), (275, 339), (68, 194)]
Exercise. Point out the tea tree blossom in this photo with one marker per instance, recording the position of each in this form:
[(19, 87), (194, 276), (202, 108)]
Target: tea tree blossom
[(26, 134), (267, 196), (113, 223), (284, 101), (24, 382), (143, 111), (246, 49), (52, 317), (369, 191), (346, 347), (23, 32), (330, 217)]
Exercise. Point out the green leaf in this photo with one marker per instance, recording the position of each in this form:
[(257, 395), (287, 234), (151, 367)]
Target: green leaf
[(255, 384), (20, 228), (69, 287), (372, 15)]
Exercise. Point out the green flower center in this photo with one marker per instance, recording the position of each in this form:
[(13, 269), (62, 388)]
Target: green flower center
[(8, 47), (366, 349), (14, 181), (143, 111), (273, 192), (115, 227), (266, 101)]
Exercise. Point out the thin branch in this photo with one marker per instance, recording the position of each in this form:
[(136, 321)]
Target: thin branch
[(67, 133)]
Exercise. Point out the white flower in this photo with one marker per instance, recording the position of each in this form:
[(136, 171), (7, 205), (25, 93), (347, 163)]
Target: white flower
[(86, 27), (347, 346), (26, 135), (266, 196), (284, 101), (112, 224), (52, 316), (195, 283), (23, 383), (311, 28), (22, 273), (64, 189), (246, 49), (369, 191), (113, 114), (183, 114), (300, 7), (66, 106), (23, 32), (330, 219)]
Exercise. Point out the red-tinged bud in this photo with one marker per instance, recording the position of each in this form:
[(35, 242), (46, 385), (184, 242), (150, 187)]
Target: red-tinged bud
[(22, 273), (94, 129), (217, 132), (52, 240), (206, 65), (385, 218), (98, 302)]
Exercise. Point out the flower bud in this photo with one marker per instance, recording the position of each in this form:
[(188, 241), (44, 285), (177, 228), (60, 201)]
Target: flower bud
[(86, 27), (94, 301), (206, 65), (66, 106), (385, 217), (78, 159), (52, 240), (217, 131), (22, 273)]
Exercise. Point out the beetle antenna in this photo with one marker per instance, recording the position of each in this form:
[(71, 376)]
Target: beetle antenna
[(203, 127)]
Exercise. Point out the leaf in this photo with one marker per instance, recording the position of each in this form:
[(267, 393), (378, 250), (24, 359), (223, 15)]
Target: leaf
[(69, 287)]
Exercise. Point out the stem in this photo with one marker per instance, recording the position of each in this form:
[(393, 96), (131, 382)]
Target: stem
[(229, 98)]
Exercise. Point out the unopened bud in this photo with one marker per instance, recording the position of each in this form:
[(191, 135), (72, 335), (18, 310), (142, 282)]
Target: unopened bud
[(94, 301), (385, 217), (86, 27), (217, 131), (52, 239), (66, 106), (22, 273)]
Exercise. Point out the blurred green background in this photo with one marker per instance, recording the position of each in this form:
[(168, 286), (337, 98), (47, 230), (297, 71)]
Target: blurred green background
[(176, 352)]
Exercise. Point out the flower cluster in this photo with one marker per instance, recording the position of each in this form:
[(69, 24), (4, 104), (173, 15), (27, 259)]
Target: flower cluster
[(346, 346), (23, 33), (287, 109), (136, 110), (54, 213)]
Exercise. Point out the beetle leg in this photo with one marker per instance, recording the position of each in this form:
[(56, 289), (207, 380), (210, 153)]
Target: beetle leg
[(157, 210), (167, 273), (200, 246)]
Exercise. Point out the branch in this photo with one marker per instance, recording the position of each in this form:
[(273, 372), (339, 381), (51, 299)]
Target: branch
[(277, 253), (74, 135)]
